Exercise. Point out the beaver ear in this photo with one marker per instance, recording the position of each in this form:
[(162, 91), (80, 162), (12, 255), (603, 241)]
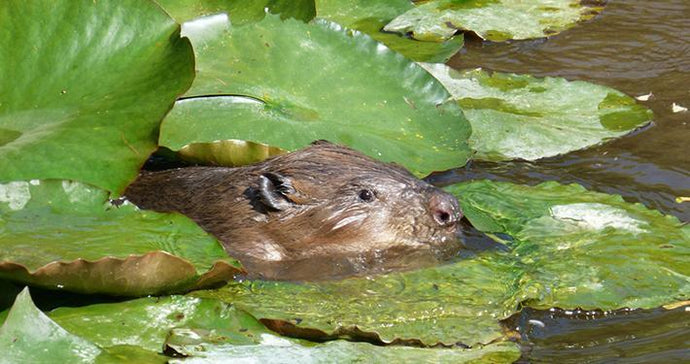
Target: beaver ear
[(274, 190)]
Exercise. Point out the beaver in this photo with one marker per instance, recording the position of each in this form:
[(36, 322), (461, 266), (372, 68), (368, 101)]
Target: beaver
[(325, 211)]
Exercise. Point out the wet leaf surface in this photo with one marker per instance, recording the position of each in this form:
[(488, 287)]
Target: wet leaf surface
[(578, 247), (240, 11), (459, 303), (371, 16), (203, 330), (363, 95), (28, 335), (525, 117), (67, 235), (89, 92), (494, 20)]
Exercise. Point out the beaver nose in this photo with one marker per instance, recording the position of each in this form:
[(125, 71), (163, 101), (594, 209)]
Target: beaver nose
[(444, 208)]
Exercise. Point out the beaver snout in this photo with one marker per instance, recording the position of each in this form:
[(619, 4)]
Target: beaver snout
[(444, 209)]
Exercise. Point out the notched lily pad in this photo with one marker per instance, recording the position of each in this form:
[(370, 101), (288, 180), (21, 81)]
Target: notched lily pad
[(525, 117), (363, 94), (66, 235), (494, 20), (85, 100)]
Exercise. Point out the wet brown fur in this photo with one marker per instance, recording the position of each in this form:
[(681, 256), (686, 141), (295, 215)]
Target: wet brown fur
[(307, 219)]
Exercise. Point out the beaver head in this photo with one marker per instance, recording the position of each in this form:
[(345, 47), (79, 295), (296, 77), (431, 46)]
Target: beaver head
[(323, 211)]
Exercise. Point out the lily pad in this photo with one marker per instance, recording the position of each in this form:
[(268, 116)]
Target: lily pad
[(584, 249), (494, 20), (371, 16), (525, 117), (363, 95), (147, 322), (82, 99), (240, 11), (200, 330), (453, 304), (66, 235), (28, 335)]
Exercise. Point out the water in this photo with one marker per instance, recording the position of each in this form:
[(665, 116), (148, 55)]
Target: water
[(634, 46), (638, 47)]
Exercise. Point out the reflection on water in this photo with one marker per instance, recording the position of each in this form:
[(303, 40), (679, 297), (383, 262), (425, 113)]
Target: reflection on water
[(639, 336), (638, 47)]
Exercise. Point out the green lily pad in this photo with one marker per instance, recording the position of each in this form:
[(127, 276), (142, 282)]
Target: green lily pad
[(66, 235), (29, 336), (459, 303), (363, 95), (202, 331), (521, 116), (147, 322), (494, 20), (85, 88), (584, 249), (240, 11), (130, 331), (371, 16)]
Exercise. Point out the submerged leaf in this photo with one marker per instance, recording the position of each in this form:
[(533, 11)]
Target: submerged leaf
[(577, 246), (494, 20), (83, 90), (459, 303), (66, 235), (521, 116), (362, 95), (371, 16)]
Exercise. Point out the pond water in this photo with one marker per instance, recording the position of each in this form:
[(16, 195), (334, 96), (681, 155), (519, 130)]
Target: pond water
[(634, 46), (638, 47)]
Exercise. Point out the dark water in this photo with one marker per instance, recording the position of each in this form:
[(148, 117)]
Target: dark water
[(634, 46), (637, 47)]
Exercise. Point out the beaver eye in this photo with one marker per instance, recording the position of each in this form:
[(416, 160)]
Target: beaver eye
[(366, 195)]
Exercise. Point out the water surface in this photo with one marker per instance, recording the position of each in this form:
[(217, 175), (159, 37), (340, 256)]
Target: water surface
[(638, 47), (634, 46)]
